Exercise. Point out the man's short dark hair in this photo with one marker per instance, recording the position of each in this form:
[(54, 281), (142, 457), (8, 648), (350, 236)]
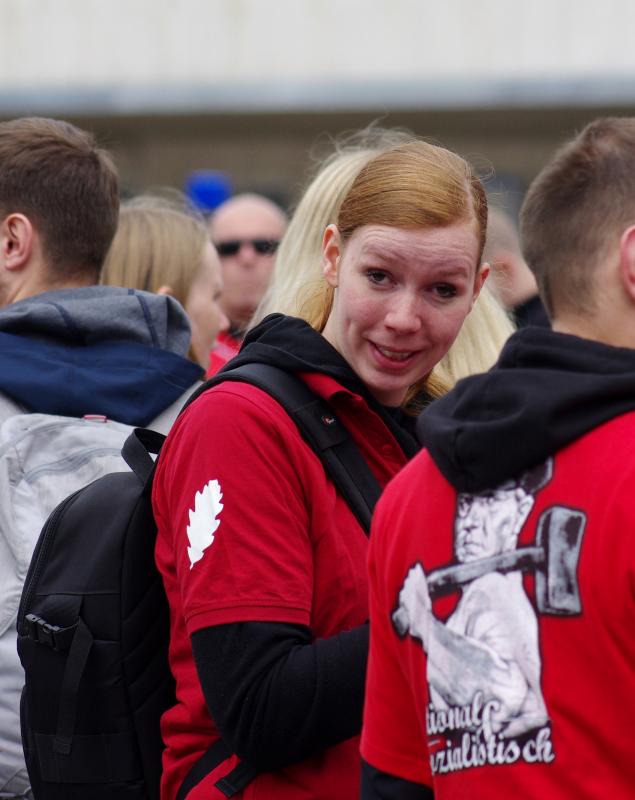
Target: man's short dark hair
[(54, 173), (576, 209)]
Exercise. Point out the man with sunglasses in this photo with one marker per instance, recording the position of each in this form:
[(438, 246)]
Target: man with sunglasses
[(246, 230)]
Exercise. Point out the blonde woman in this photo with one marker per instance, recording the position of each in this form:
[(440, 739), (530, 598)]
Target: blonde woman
[(263, 561), (162, 247), (299, 262)]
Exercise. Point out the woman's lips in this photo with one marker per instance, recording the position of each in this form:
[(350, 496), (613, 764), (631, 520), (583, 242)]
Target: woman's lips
[(393, 358)]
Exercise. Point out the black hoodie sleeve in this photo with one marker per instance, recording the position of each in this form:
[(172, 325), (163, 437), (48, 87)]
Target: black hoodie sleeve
[(277, 695), (377, 785)]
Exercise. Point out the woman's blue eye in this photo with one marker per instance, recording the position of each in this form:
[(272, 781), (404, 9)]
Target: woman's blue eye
[(376, 276), (445, 290)]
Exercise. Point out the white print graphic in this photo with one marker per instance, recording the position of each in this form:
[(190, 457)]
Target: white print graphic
[(204, 520), (468, 739), (483, 663)]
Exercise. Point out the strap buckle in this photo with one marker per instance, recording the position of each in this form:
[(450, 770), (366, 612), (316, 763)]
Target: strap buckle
[(53, 636), (42, 631)]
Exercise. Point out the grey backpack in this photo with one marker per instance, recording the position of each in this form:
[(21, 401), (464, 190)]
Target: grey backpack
[(43, 459)]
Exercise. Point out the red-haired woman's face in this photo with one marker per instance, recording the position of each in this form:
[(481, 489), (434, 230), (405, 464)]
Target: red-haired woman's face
[(401, 296)]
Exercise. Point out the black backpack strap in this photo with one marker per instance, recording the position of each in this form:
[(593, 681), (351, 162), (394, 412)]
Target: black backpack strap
[(319, 426), (237, 780), (77, 639), (138, 449), (76, 662), (232, 783), (208, 762)]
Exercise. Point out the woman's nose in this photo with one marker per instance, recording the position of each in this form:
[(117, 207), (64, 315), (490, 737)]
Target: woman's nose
[(404, 314)]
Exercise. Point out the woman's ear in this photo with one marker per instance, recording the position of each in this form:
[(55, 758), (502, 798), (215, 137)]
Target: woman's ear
[(166, 290), (479, 280), (331, 254)]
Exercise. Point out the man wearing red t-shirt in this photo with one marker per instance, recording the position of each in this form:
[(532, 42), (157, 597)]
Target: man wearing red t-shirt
[(502, 560)]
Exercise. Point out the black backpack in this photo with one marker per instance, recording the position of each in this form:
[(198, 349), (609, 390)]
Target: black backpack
[(93, 624)]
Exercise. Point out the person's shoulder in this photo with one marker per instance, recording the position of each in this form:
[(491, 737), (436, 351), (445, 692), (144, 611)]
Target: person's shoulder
[(494, 584), (239, 395), (618, 426), (233, 405), (416, 498), (421, 471), (609, 443)]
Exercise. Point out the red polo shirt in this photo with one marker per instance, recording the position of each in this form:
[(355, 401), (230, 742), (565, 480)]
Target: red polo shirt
[(251, 529)]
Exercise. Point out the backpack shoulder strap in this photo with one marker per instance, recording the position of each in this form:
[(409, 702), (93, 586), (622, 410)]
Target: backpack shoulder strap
[(137, 452), (321, 429)]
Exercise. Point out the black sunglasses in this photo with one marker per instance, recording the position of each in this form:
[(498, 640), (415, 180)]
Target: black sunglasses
[(264, 247)]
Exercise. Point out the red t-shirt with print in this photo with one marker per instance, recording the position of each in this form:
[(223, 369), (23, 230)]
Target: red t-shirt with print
[(250, 528), (507, 684)]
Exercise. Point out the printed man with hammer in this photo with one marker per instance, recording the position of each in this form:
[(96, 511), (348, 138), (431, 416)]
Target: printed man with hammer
[(502, 558), (489, 645)]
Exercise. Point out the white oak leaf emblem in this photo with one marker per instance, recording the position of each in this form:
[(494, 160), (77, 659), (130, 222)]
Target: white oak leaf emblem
[(204, 520)]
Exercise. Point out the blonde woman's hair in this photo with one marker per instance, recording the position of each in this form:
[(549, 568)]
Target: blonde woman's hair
[(159, 242), (477, 346), (298, 287)]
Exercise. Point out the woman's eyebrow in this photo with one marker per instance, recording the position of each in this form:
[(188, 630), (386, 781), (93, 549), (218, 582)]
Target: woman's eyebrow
[(452, 260), (382, 251)]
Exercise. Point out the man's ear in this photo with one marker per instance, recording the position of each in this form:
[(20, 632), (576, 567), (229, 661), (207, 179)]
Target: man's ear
[(627, 262), (166, 290), (16, 241), (331, 254)]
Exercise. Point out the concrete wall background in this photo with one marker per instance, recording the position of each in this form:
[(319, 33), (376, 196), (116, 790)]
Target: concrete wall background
[(250, 86), (295, 53)]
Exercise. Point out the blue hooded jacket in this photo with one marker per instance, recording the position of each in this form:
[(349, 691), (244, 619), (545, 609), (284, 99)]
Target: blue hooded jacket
[(96, 350)]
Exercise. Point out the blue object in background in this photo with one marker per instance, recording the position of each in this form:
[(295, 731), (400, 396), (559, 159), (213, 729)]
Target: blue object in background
[(207, 189)]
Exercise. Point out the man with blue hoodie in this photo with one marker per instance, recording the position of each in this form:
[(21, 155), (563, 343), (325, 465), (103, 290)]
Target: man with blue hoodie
[(502, 563), (67, 345)]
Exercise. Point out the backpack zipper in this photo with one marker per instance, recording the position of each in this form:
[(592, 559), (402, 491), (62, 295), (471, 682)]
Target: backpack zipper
[(38, 559)]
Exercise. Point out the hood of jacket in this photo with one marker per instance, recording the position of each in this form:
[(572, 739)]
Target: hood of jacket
[(293, 345), (96, 350), (546, 390)]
